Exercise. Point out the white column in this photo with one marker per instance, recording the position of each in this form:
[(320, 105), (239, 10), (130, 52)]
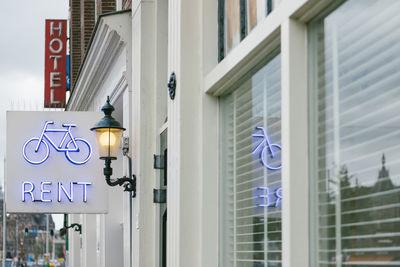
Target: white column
[(295, 186), (210, 182), (127, 216), (88, 251), (210, 146), (47, 235), (184, 135), (143, 131), (112, 223), (74, 242), (4, 218), (100, 244), (4, 232)]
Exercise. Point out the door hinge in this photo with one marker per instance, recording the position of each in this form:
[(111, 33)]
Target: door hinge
[(159, 162), (159, 195)]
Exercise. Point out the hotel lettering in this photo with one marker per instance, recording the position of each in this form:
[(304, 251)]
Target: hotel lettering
[(55, 63)]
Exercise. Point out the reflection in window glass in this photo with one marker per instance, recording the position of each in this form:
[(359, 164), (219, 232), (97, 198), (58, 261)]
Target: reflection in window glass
[(356, 87), (232, 18), (256, 11), (250, 211), (237, 18)]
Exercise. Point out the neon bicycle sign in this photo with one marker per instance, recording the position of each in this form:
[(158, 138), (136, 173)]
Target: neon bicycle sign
[(45, 191), (36, 150), (268, 150), (267, 196)]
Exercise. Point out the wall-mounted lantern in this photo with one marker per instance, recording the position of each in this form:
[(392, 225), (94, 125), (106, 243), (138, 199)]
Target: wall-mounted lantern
[(108, 134)]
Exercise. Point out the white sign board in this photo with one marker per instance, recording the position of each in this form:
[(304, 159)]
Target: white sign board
[(52, 163)]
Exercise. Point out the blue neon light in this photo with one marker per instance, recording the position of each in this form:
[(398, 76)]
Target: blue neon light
[(44, 191), (265, 196), (30, 191), (69, 196), (70, 149), (268, 197), (278, 195), (29, 188), (267, 147), (84, 185)]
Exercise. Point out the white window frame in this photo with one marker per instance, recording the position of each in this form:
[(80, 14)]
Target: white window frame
[(285, 26)]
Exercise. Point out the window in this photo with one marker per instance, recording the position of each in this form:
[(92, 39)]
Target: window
[(355, 84), (237, 18), (250, 179)]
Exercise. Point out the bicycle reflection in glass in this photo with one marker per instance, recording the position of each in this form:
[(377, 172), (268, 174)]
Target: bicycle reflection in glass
[(36, 150), (269, 151)]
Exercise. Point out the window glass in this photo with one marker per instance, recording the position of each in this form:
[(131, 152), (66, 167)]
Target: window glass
[(355, 66), (232, 18), (250, 180), (237, 18), (257, 10)]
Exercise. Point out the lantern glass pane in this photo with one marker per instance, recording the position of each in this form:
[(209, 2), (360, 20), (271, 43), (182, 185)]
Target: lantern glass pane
[(108, 141)]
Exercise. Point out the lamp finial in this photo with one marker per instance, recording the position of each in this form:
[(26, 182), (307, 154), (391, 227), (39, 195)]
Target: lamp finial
[(107, 108)]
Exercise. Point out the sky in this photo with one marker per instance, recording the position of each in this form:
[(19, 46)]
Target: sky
[(22, 32)]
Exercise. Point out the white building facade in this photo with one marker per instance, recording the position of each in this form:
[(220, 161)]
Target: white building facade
[(280, 144)]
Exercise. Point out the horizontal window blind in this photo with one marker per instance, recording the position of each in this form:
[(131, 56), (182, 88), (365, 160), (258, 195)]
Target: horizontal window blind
[(250, 210), (357, 98)]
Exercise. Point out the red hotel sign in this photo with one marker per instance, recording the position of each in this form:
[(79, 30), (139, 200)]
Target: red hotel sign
[(55, 72)]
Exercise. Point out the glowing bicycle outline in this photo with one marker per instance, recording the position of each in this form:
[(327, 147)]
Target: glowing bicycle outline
[(266, 142), (58, 148)]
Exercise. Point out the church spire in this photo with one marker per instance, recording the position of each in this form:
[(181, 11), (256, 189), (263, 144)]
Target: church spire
[(383, 172), (384, 182)]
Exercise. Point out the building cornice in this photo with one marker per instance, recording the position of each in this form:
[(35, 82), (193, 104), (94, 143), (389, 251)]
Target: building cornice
[(109, 39)]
